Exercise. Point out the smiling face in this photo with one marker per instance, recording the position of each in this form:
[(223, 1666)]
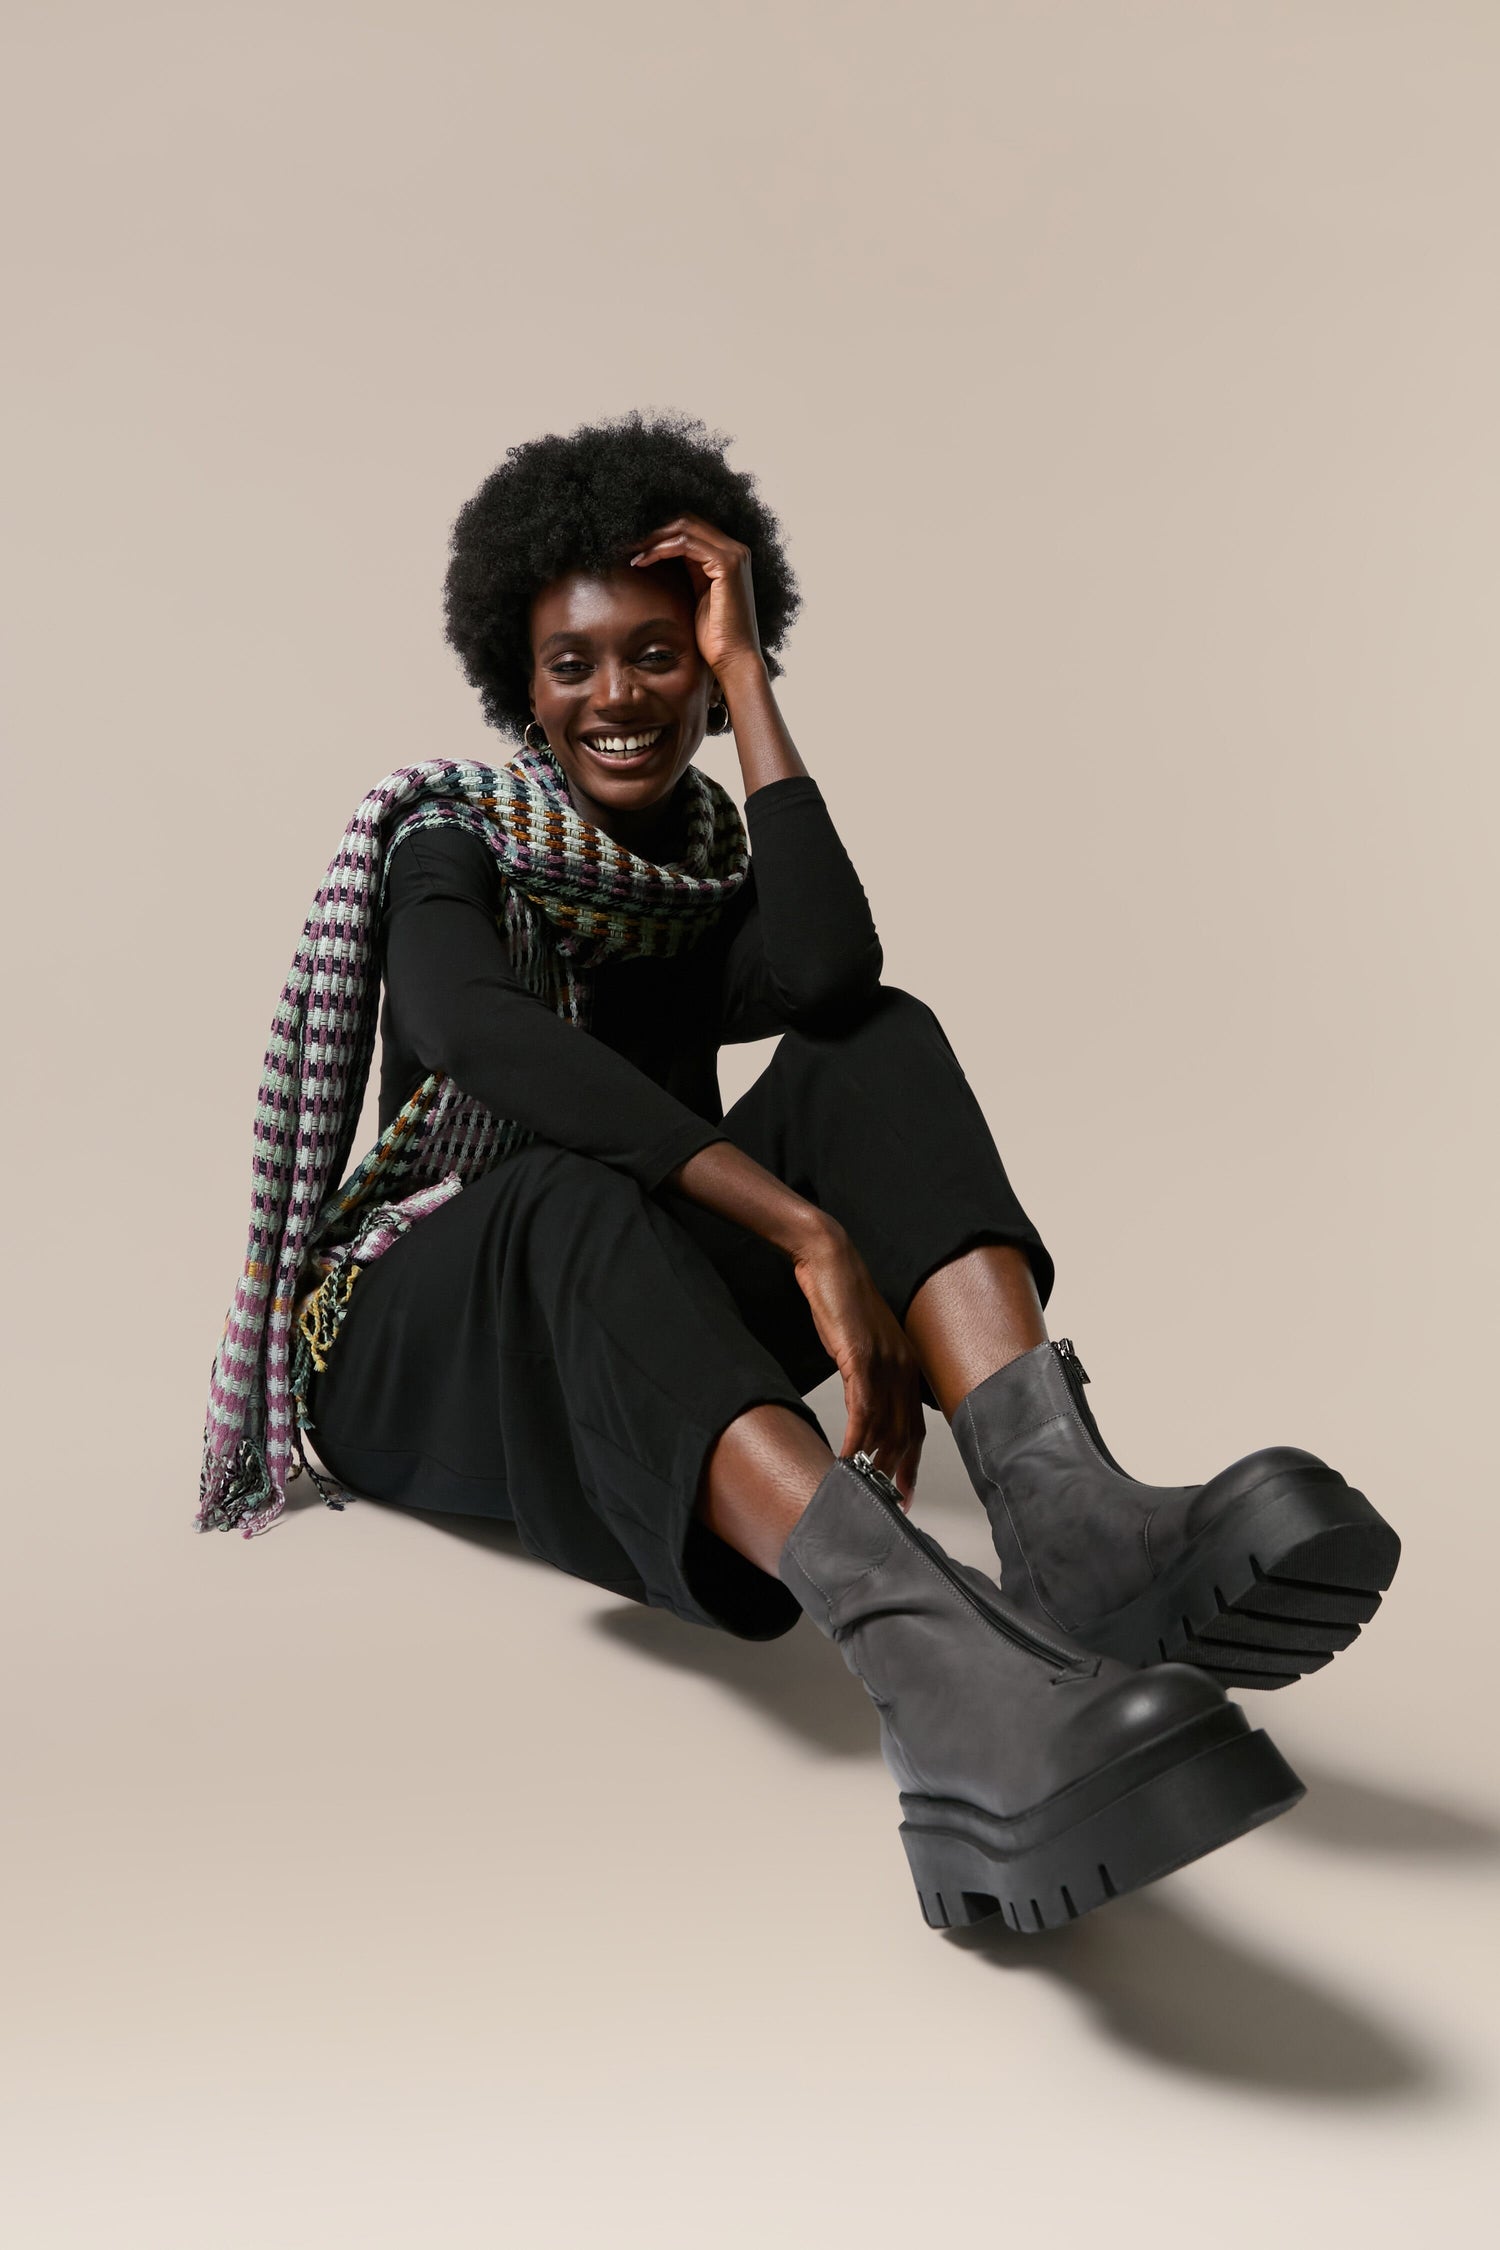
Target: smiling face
[(620, 690)]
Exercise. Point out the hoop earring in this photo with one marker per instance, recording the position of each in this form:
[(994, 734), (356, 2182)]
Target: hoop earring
[(717, 721), (541, 742)]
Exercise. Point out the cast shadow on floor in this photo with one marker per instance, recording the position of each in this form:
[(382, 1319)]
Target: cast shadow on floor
[(1156, 1977), (1171, 1987), (799, 1682), (1353, 1815)]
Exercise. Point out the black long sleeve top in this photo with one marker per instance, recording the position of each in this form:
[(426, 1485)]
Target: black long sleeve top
[(640, 1089)]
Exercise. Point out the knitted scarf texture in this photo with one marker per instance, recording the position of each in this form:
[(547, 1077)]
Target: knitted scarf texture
[(571, 897)]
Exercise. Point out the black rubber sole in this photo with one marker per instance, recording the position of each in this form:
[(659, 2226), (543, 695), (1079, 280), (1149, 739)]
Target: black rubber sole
[(1137, 1819), (1276, 1589)]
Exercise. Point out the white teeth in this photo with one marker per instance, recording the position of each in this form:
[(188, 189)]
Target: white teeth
[(625, 745)]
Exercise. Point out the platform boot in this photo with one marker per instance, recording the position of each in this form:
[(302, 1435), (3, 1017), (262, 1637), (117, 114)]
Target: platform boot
[(1037, 1778), (1256, 1577)]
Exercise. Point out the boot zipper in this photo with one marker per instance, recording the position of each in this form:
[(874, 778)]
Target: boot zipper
[(1073, 1366), (886, 1486), (1077, 1375), (1021, 1636)]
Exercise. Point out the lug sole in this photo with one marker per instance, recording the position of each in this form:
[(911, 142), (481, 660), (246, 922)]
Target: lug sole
[(1274, 1590), (1063, 1860)]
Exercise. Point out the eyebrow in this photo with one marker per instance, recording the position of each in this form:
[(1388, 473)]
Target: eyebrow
[(651, 625)]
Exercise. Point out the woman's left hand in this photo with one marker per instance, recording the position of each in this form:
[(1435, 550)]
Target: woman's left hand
[(720, 571)]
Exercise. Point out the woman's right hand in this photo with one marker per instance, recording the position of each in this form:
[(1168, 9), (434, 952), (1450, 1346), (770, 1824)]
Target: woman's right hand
[(878, 1368), (858, 1330)]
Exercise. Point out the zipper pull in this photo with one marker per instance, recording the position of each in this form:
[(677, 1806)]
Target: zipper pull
[(865, 1464), (1072, 1364)]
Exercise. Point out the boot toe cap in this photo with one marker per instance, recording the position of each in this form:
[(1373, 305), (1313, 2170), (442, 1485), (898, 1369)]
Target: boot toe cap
[(1140, 1708), (1233, 1486)]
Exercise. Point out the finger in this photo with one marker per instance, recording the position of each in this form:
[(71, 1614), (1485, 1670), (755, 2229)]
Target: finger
[(892, 1453), (904, 1475), (878, 1442), (674, 543), (697, 526), (860, 1434), (661, 546), (700, 579), (697, 569), (899, 1445)]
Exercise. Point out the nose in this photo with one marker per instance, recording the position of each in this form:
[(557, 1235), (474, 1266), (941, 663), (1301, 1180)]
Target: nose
[(617, 692)]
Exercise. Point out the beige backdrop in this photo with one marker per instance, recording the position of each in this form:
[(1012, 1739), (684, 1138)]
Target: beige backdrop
[(1126, 375)]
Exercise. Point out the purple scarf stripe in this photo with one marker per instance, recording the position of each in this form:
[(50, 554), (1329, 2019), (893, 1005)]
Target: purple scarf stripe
[(565, 906)]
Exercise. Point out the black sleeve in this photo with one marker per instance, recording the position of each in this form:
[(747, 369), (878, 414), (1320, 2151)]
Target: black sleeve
[(461, 1009), (807, 946)]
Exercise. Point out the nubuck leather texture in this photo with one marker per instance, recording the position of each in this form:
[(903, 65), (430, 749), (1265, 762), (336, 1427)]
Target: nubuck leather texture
[(1037, 1778), (1257, 1576)]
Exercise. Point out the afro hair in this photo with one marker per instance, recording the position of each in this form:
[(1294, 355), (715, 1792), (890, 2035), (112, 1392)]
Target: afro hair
[(558, 504)]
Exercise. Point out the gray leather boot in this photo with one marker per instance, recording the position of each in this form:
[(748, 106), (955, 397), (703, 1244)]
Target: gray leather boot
[(1257, 1576), (1037, 1779)]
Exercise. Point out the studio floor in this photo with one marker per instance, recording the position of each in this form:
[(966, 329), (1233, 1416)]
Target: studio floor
[(377, 1885)]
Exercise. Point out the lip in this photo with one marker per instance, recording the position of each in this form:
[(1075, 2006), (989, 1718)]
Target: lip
[(638, 759)]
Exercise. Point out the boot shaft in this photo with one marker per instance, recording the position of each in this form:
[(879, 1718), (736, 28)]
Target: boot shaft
[(1073, 1531), (976, 1701)]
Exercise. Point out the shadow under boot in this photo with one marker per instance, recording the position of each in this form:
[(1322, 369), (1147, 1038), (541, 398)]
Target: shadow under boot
[(1037, 1778), (1258, 1576)]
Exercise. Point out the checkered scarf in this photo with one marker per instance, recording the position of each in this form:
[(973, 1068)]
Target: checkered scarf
[(571, 898)]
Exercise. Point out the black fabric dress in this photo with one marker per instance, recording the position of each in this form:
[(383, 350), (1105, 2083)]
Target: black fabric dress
[(562, 1343)]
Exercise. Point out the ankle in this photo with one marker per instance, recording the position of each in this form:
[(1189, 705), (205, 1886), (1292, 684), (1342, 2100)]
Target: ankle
[(973, 1317), (987, 1385), (759, 1478)]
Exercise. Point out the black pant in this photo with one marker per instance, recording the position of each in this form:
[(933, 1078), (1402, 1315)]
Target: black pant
[(561, 1349)]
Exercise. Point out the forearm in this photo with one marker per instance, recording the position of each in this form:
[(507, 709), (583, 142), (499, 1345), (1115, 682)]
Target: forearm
[(855, 1325), (766, 749), (454, 1006), (724, 1179)]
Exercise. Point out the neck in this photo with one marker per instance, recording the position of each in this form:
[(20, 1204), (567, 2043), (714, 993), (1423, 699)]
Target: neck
[(651, 832)]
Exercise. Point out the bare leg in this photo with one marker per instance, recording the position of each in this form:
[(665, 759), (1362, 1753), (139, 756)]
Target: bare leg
[(765, 1468), (972, 1316)]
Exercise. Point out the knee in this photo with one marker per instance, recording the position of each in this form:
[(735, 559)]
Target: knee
[(901, 1015), (893, 1025)]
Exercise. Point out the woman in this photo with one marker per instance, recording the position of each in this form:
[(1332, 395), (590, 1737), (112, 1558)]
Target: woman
[(596, 1306)]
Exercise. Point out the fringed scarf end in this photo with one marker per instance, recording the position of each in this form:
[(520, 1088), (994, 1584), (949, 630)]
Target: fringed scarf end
[(235, 1492)]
